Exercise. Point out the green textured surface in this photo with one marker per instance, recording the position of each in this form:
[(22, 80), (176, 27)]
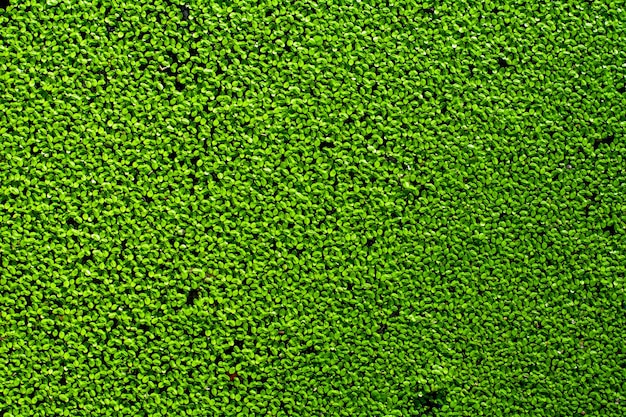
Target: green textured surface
[(299, 208)]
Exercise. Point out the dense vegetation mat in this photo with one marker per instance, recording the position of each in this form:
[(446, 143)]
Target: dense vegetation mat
[(298, 208)]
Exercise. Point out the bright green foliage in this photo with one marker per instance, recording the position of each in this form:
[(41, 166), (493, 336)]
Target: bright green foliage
[(299, 208)]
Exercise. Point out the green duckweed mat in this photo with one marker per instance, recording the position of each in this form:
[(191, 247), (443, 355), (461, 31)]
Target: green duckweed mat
[(300, 208)]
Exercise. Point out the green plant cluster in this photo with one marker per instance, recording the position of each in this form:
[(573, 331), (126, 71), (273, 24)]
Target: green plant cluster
[(312, 208)]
